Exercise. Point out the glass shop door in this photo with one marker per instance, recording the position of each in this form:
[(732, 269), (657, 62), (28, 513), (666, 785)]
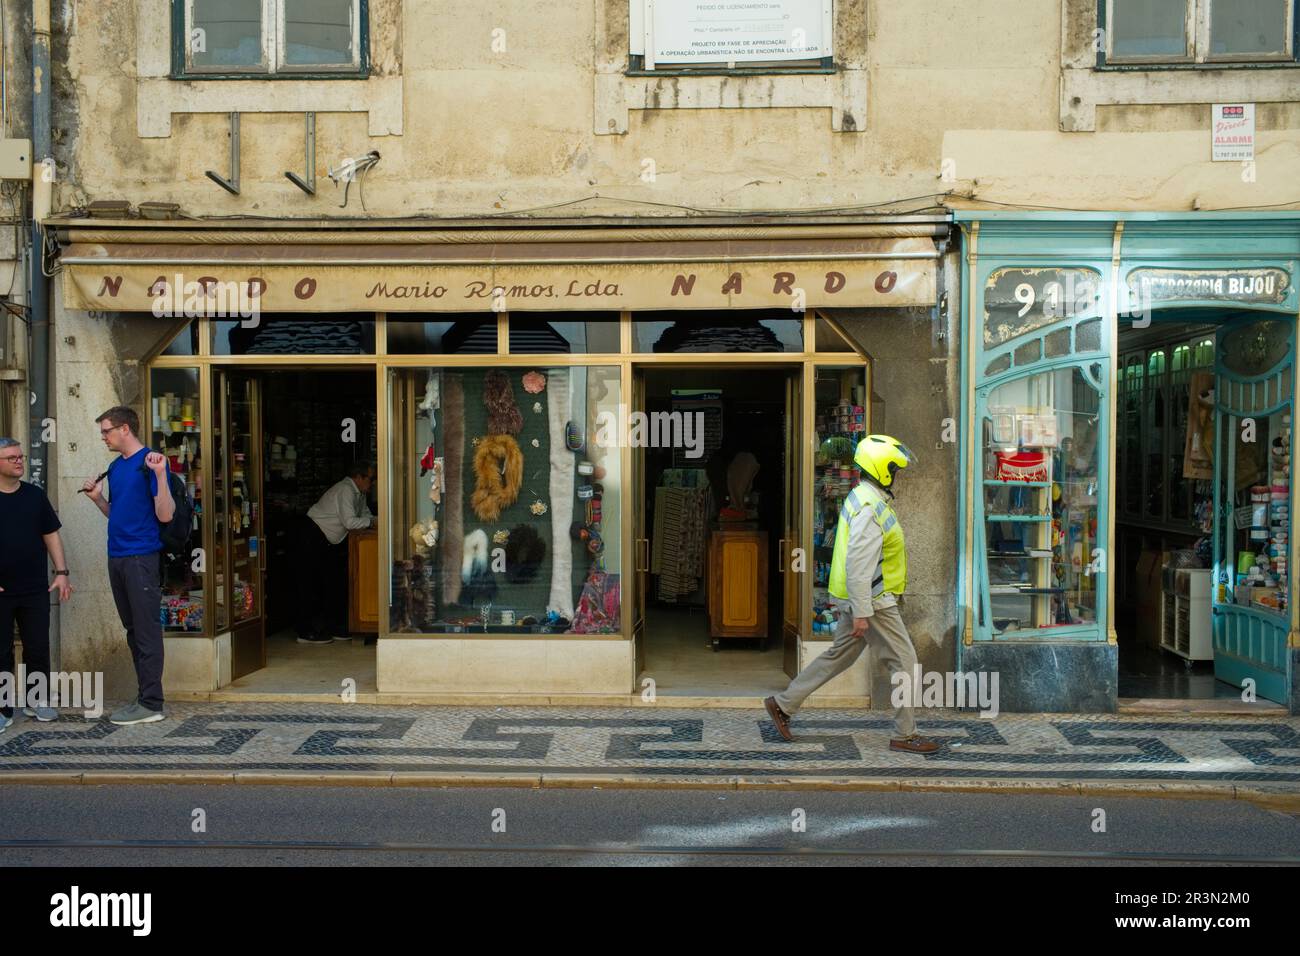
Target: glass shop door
[(792, 552), (640, 533), (1251, 592), (240, 562)]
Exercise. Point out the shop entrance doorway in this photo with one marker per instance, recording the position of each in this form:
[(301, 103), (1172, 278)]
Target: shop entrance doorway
[(717, 489), (1203, 505), (281, 439)]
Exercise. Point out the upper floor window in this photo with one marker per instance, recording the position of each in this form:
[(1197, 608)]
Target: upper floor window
[(1199, 31), (712, 36), (268, 38)]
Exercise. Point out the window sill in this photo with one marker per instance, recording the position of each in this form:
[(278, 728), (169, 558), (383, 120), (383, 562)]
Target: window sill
[(306, 75), (841, 90), (1086, 87), (159, 97), (737, 71), (1196, 67)]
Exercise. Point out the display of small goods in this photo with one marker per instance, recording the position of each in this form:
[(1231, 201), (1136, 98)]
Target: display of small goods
[(176, 433), (1040, 510), (1262, 564), (182, 612), (840, 426), (506, 510), (244, 599)]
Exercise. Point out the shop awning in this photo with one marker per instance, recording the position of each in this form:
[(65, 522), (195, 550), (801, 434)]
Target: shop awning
[(195, 271)]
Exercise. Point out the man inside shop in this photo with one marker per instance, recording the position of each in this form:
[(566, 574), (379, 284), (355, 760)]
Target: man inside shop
[(321, 556)]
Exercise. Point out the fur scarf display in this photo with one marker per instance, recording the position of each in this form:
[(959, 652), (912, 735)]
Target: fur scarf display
[(479, 584), (453, 448), (498, 474), (504, 417), (560, 602)]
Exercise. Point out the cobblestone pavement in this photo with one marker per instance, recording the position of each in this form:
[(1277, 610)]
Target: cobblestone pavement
[(642, 743)]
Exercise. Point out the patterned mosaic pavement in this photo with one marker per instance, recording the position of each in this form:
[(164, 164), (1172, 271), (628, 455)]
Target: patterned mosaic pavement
[(653, 742)]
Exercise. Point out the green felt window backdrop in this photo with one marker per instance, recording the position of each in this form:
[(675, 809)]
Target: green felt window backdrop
[(545, 560)]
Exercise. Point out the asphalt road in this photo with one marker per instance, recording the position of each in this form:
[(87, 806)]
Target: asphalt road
[(154, 825)]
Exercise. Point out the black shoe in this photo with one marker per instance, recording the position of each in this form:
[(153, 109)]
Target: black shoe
[(315, 639)]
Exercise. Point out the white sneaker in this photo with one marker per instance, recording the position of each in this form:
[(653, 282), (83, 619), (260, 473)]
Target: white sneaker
[(5, 722), (45, 714)]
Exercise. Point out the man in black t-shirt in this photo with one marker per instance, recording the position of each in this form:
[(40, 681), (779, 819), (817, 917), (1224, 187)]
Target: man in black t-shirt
[(29, 529)]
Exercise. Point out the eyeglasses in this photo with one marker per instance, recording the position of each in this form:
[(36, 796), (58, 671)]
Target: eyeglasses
[(105, 431), (18, 458)]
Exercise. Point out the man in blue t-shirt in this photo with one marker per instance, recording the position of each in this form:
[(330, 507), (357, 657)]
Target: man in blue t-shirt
[(140, 502)]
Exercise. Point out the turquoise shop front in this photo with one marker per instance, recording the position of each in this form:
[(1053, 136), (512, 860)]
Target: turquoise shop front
[(1049, 405)]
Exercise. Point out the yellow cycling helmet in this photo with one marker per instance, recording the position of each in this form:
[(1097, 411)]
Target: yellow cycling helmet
[(881, 456)]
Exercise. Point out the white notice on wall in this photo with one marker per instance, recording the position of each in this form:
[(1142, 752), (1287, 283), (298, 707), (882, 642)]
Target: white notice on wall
[(1232, 128), (710, 31)]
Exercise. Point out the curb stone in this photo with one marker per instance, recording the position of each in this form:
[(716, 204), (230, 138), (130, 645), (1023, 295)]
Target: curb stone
[(1285, 801)]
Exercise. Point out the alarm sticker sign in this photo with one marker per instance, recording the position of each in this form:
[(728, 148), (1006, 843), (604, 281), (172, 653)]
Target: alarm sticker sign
[(1232, 131)]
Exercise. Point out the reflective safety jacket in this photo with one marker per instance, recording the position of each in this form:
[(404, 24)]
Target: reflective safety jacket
[(848, 581)]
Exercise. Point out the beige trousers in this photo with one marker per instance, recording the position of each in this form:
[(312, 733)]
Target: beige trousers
[(890, 645)]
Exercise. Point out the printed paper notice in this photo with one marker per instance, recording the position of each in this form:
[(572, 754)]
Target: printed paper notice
[(1233, 131)]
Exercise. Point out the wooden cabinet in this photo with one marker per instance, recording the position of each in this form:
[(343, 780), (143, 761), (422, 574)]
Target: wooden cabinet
[(363, 582), (737, 584)]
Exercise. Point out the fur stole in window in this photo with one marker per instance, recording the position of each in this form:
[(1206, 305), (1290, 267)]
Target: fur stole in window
[(498, 473), (504, 417)]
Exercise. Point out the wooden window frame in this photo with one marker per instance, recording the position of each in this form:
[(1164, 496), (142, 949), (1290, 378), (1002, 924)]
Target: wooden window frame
[(272, 66), (1197, 20)]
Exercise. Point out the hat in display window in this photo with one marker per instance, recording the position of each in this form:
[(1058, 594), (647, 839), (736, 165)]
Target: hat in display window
[(525, 552)]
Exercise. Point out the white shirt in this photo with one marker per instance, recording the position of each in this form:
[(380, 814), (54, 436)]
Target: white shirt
[(341, 509)]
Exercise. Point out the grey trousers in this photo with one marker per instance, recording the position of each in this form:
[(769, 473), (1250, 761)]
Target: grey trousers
[(890, 644), (137, 592)]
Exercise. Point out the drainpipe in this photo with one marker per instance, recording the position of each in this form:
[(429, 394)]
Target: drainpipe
[(38, 359)]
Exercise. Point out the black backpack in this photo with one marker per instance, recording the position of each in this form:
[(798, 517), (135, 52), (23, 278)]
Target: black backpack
[(175, 534)]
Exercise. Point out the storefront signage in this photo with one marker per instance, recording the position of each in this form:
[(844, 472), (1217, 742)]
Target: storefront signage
[(1250, 286), (721, 31), (1232, 131), (1018, 301), (460, 288)]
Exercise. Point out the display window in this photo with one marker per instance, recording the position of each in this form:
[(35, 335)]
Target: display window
[(725, 332), (176, 430), (449, 334), (1255, 451), (841, 417), (1040, 484), (1041, 433), (307, 334), (547, 333), (505, 490)]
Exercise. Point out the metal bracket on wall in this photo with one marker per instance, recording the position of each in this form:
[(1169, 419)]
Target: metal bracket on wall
[(230, 185), (307, 185)]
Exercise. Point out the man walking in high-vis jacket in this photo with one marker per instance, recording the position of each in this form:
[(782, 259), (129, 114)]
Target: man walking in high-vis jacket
[(868, 574)]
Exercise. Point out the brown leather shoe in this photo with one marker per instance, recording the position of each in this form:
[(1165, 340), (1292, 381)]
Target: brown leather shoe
[(915, 744), (779, 718)]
